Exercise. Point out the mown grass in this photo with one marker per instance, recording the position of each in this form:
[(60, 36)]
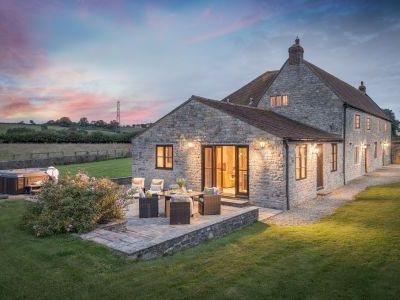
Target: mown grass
[(353, 254), (112, 168)]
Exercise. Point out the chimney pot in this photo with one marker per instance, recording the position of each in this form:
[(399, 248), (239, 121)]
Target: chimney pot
[(296, 53), (362, 87)]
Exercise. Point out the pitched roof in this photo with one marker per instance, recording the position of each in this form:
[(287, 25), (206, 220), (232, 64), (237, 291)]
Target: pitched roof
[(271, 122), (253, 90), (347, 93)]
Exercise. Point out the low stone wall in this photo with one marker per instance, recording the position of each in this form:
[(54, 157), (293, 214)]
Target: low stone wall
[(63, 160), (122, 180), (196, 237)]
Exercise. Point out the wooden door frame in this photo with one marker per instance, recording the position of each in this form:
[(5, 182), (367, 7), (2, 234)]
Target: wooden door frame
[(366, 158), (320, 157), (214, 167)]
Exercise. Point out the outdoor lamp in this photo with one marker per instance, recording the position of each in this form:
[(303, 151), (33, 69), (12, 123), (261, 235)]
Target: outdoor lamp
[(262, 145), (190, 145)]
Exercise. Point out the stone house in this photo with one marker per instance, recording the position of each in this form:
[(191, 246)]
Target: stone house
[(277, 141)]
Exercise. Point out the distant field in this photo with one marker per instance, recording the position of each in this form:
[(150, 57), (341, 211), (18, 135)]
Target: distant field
[(23, 151), (121, 167)]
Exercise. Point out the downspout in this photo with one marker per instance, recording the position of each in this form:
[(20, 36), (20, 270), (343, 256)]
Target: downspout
[(287, 174), (344, 143)]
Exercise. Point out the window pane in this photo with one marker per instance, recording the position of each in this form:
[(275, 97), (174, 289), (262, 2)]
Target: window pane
[(160, 162), (160, 151)]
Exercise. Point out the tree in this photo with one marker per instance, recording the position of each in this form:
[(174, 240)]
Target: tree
[(101, 123), (64, 121), (83, 122), (395, 123), (113, 125), (32, 122)]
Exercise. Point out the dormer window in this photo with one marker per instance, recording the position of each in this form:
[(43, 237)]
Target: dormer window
[(357, 121), (279, 100)]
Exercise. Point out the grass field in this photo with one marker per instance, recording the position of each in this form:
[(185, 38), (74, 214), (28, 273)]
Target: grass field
[(112, 168), (354, 254), (23, 151)]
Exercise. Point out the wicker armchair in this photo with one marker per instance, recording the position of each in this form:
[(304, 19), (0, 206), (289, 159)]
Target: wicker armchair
[(148, 207), (210, 205), (181, 209)]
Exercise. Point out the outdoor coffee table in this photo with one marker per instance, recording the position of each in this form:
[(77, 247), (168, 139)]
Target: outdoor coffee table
[(167, 197)]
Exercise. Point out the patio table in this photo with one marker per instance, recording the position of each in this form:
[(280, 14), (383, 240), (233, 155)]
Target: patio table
[(167, 196)]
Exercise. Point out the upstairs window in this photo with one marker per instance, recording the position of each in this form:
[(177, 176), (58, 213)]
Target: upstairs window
[(375, 150), (368, 123), (280, 100), (386, 126), (301, 162), (334, 158), (356, 154), (164, 156), (357, 121)]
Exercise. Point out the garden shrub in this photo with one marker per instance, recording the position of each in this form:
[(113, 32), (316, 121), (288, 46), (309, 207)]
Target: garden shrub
[(76, 204)]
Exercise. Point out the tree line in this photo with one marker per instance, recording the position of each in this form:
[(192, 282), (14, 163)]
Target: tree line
[(71, 135)]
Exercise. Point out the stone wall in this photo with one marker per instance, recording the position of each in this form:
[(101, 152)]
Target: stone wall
[(366, 138), (200, 125), (305, 189), (195, 237), (310, 100)]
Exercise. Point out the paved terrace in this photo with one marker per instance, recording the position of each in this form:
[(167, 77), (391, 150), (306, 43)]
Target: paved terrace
[(151, 237)]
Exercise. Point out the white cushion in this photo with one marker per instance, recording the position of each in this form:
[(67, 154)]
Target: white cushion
[(142, 194), (155, 188)]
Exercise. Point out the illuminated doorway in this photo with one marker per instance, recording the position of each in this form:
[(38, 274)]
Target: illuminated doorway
[(226, 167)]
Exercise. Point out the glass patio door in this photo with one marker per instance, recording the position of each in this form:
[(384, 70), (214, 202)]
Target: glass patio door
[(226, 167), (242, 170)]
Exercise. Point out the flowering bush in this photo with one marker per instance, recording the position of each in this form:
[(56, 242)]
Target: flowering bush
[(76, 204)]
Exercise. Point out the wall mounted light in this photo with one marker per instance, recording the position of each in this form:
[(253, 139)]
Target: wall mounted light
[(262, 145), (190, 145), (314, 149)]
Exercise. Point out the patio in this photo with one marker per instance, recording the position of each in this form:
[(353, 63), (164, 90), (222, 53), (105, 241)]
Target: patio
[(146, 238)]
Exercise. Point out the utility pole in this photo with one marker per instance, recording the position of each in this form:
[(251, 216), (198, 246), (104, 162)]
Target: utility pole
[(118, 113)]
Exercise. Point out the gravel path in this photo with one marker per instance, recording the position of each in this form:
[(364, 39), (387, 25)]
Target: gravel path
[(317, 208)]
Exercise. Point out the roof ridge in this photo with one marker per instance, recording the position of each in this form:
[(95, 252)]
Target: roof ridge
[(358, 100), (337, 78)]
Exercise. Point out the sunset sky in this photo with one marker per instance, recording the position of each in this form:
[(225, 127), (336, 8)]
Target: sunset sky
[(77, 58)]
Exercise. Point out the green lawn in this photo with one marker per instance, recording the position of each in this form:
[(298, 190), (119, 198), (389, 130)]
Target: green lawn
[(354, 254), (121, 167)]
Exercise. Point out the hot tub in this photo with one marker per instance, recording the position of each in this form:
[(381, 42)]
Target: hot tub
[(17, 181)]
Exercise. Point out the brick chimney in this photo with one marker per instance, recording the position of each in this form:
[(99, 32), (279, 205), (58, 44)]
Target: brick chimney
[(362, 87), (296, 53)]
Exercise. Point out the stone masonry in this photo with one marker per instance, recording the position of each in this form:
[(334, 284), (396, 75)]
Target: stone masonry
[(200, 125)]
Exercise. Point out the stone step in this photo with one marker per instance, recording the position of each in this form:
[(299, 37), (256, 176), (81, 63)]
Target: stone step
[(234, 202)]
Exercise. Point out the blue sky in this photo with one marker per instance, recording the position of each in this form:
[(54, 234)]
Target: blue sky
[(77, 58)]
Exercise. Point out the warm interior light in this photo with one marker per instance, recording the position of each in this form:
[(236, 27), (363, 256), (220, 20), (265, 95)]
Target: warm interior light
[(190, 145), (262, 145)]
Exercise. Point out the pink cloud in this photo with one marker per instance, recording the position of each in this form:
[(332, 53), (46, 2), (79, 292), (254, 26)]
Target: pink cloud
[(43, 104), (232, 27)]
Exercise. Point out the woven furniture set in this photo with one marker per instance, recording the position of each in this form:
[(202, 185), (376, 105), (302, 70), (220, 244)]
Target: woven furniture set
[(178, 203)]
